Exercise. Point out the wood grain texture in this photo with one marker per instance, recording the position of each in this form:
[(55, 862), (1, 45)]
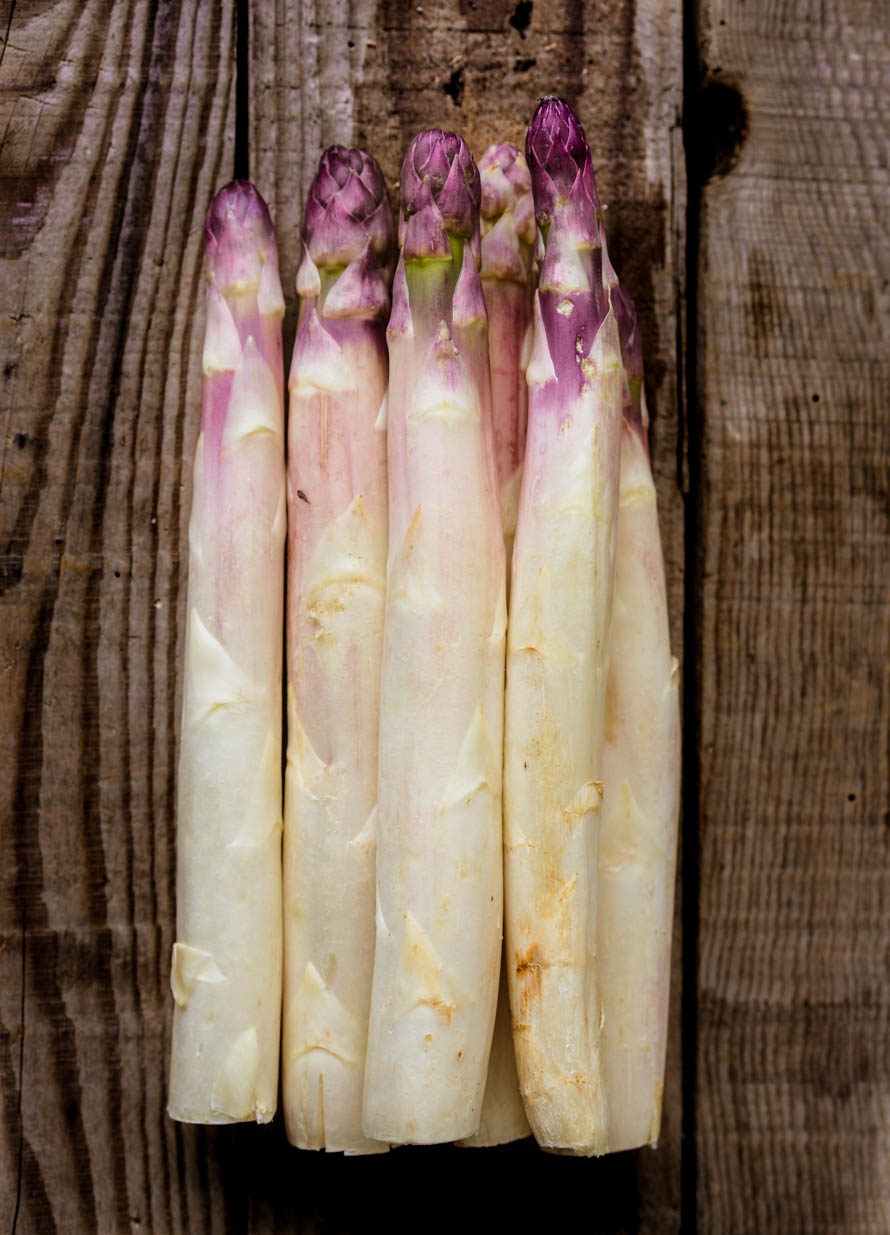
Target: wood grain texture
[(793, 1112), (373, 74), (117, 123)]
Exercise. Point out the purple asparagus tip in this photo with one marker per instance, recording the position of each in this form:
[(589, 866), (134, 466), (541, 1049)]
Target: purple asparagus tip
[(572, 297), (239, 234), (238, 202), (440, 193), (508, 214), (346, 208), (559, 162), (505, 179)]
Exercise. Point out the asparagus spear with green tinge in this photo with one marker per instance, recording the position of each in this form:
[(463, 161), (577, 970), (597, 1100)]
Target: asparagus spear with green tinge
[(439, 873)]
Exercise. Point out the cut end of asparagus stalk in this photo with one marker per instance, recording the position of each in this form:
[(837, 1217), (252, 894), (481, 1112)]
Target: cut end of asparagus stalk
[(440, 195)]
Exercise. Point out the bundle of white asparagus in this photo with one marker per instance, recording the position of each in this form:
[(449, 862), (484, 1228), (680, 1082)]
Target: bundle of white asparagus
[(592, 720), (509, 402)]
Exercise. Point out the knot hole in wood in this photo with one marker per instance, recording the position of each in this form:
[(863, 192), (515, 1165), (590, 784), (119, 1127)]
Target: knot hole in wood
[(716, 130)]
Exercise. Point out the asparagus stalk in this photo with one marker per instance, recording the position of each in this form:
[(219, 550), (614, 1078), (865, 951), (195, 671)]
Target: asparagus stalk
[(642, 787), (558, 646), (439, 870), (336, 583), (508, 235), (226, 970), (503, 1117)]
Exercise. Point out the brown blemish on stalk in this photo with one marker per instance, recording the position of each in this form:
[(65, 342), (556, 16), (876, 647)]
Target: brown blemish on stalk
[(529, 970), (567, 889), (531, 961), (324, 604), (444, 1007)]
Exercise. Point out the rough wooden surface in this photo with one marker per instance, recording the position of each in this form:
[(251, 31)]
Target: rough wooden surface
[(793, 1080), (117, 125), (118, 122)]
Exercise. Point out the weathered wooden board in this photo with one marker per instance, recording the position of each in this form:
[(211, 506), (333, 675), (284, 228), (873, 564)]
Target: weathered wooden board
[(793, 1111), (118, 123)]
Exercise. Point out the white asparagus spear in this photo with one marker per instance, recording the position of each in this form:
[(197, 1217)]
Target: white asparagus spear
[(507, 270), (641, 802), (508, 236), (503, 1117), (226, 970), (336, 583), (557, 653), (439, 870)]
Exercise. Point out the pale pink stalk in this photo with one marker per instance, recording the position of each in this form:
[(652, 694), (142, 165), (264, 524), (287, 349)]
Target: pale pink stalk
[(336, 584), (507, 270), (226, 971), (638, 842)]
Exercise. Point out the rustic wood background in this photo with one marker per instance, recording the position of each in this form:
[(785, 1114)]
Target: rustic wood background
[(742, 150)]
